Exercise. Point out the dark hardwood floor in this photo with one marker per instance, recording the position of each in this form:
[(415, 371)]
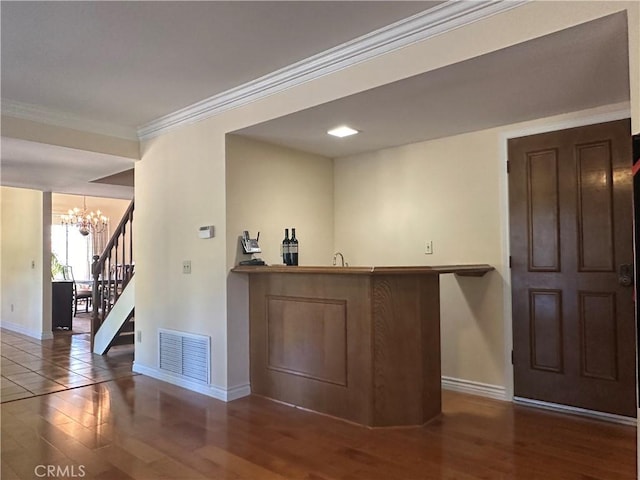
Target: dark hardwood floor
[(137, 427)]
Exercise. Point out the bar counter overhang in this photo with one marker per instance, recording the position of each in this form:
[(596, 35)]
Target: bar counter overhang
[(358, 343)]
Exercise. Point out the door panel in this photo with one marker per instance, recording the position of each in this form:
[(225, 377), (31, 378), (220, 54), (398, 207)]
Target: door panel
[(571, 229), (543, 224), (595, 209), (546, 330), (599, 342)]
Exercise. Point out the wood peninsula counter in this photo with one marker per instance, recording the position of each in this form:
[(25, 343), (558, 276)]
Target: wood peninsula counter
[(359, 343)]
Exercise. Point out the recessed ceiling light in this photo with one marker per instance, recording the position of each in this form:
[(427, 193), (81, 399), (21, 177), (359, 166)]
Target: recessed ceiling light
[(342, 131)]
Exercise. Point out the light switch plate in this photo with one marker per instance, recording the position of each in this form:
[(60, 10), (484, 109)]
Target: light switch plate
[(186, 266), (428, 247)]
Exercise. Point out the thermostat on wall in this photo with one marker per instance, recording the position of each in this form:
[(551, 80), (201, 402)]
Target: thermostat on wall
[(206, 232)]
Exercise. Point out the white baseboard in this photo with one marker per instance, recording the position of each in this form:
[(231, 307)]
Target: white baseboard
[(14, 327), (238, 391), (474, 388), (219, 393), (582, 412)]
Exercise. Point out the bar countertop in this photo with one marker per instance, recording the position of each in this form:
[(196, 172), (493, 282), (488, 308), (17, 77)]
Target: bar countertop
[(463, 270)]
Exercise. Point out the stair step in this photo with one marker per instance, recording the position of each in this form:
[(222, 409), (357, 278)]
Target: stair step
[(128, 327), (125, 338)]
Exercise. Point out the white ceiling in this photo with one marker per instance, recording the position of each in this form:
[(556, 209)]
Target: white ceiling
[(118, 65), (128, 63), (125, 64), (575, 69)]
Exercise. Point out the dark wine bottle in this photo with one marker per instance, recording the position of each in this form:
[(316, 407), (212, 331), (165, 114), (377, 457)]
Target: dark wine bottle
[(293, 247), (286, 243)]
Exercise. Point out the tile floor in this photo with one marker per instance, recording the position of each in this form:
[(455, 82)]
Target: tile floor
[(31, 367)]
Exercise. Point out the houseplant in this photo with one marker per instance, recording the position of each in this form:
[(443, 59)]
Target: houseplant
[(56, 267)]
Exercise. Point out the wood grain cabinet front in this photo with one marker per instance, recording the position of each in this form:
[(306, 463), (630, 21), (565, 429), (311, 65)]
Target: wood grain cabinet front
[(361, 344)]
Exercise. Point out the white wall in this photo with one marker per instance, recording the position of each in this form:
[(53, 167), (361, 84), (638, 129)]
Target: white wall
[(270, 188), (389, 202), (25, 290), (180, 186)]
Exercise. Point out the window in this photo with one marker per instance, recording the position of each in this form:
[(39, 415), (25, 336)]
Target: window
[(73, 249)]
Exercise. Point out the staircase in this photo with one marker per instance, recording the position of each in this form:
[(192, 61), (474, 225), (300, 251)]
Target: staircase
[(112, 321)]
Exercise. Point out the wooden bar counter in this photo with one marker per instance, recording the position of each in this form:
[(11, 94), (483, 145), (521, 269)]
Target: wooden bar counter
[(359, 343)]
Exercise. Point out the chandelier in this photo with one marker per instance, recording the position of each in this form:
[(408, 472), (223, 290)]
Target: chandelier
[(87, 222)]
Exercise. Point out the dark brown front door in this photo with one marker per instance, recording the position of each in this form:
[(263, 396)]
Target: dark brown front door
[(571, 247)]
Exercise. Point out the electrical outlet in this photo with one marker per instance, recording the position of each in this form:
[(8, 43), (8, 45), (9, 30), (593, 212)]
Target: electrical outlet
[(12, 307), (428, 247), (139, 336), (186, 266)]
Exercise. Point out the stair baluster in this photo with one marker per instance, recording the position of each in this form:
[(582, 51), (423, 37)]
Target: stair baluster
[(109, 276)]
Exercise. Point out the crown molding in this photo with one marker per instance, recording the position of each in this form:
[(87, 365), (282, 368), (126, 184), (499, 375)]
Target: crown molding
[(440, 19), (35, 113)]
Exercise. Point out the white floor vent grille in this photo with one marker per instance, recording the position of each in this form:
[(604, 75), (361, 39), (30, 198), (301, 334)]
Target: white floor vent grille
[(185, 354)]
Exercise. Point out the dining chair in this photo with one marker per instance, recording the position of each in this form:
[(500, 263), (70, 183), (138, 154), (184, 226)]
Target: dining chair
[(79, 294)]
